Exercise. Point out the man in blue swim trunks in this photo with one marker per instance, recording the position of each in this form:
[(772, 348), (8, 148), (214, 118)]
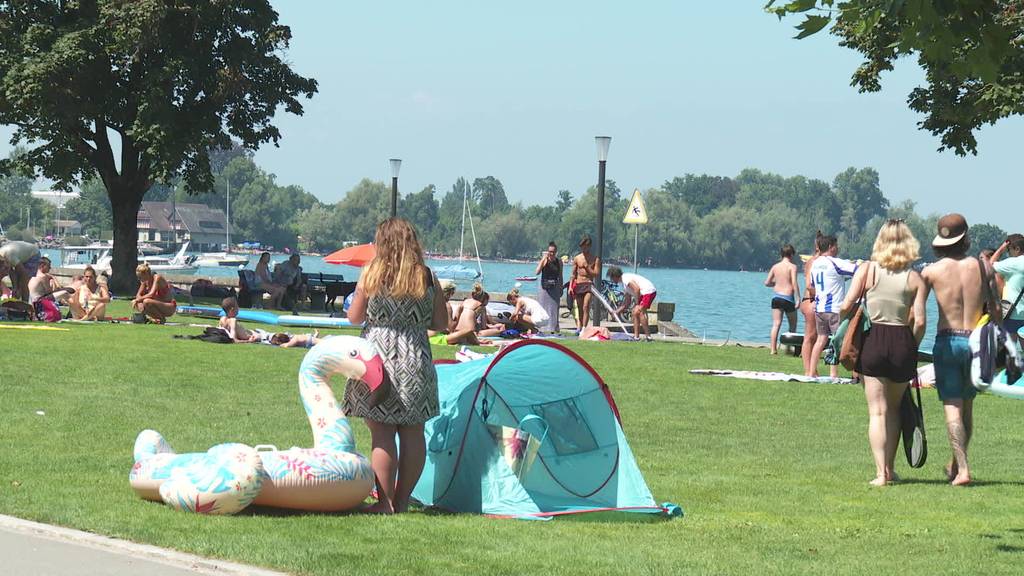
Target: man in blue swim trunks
[(956, 281)]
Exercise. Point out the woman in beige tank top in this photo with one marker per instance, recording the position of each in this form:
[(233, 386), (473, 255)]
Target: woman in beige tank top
[(895, 296)]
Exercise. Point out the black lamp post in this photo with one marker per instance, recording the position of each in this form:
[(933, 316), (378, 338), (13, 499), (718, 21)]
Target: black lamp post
[(396, 164), (602, 158)]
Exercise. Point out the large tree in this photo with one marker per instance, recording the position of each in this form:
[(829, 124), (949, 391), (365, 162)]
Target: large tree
[(139, 91), (972, 52)]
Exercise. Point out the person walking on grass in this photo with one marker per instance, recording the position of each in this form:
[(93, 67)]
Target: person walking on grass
[(959, 293), (829, 275), (639, 290), (782, 277), (895, 296), (399, 298)]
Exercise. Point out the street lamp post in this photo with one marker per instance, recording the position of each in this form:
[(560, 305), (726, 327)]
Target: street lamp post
[(396, 165), (602, 158)]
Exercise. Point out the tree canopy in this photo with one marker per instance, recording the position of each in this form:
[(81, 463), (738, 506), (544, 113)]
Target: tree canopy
[(161, 82), (972, 52)]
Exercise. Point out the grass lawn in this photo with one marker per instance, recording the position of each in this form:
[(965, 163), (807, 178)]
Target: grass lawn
[(773, 476)]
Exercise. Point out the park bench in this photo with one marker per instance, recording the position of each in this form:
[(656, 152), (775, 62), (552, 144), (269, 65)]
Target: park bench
[(323, 289)]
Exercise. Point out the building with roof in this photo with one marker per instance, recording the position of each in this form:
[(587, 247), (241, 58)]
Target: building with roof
[(169, 224)]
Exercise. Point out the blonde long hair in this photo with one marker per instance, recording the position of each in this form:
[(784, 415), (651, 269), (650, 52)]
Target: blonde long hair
[(895, 247), (397, 269)]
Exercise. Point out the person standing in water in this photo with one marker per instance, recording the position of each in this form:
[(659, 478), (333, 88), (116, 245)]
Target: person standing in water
[(782, 277)]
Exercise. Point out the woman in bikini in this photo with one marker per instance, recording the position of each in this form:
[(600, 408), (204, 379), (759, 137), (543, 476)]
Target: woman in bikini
[(586, 268), (807, 309), (90, 301), (154, 297)]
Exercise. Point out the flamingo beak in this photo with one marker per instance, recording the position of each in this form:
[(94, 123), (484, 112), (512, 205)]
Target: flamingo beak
[(374, 374)]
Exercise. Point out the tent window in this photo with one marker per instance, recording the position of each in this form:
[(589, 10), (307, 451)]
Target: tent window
[(568, 430)]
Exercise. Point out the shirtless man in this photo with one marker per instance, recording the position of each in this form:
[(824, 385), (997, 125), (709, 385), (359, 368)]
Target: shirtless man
[(44, 285), (586, 269), (782, 277), (956, 280)]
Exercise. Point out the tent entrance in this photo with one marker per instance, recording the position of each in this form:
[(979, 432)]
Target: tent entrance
[(556, 447)]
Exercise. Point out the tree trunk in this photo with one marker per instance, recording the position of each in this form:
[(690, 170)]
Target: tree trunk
[(125, 207)]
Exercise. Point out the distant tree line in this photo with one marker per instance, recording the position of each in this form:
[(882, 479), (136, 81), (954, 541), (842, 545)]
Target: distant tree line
[(695, 221)]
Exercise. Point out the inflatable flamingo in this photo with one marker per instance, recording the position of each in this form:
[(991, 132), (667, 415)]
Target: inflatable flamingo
[(331, 476)]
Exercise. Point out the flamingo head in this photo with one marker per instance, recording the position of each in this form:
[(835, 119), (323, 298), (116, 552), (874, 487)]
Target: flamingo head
[(358, 359)]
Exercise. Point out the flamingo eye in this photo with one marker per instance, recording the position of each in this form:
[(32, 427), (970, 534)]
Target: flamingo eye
[(353, 354)]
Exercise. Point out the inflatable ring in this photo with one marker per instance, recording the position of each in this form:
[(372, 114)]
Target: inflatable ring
[(329, 477)]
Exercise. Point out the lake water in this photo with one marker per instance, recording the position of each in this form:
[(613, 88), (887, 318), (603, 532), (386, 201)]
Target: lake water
[(714, 304)]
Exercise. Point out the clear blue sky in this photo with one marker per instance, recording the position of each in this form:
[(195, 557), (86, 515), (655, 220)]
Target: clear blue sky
[(519, 90)]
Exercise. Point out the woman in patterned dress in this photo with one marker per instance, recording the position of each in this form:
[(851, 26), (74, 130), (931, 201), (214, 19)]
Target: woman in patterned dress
[(399, 298)]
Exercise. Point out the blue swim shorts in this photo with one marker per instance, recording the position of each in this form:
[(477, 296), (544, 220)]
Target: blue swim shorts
[(952, 357)]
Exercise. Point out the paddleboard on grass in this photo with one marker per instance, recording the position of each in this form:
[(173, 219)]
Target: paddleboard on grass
[(264, 317), (315, 322), (260, 316)]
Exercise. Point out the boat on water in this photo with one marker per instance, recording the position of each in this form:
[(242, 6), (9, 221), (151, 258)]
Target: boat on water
[(179, 263), (98, 255), (217, 259), (526, 278), (457, 272)]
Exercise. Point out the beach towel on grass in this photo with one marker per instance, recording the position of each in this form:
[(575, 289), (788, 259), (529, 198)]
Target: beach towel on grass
[(772, 376)]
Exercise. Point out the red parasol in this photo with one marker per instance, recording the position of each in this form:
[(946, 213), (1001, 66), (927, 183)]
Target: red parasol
[(353, 255)]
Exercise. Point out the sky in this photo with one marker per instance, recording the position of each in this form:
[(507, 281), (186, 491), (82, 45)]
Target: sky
[(519, 90)]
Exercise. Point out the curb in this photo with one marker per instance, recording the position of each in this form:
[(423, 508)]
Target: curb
[(196, 564)]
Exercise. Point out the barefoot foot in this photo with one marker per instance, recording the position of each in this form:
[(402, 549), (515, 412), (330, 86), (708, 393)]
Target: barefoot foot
[(951, 470), (879, 481), (962, 479)]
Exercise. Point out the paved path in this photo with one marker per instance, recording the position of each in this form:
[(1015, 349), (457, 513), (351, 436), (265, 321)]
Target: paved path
[(33, 549)]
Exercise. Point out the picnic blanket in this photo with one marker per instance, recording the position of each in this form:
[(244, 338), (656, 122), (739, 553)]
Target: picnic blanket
[(773, 376)]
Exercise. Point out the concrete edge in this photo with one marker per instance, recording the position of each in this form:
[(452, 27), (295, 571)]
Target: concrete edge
[(197, 564)]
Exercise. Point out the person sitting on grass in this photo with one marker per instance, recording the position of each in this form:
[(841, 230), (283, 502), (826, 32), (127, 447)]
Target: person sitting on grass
[(640, 290), (465, 329), (44, 285), (230, 324), (90, 302), (154, 298), (528, 313)]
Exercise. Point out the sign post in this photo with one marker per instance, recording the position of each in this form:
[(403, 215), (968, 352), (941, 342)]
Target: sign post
[(636, 214)]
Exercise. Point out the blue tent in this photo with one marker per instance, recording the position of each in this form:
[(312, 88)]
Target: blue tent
[(531, 432)]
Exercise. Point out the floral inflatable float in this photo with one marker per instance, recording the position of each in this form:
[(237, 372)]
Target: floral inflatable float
[(329, 477)]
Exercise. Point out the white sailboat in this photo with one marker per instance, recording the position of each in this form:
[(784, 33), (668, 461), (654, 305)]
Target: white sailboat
[(226, 258), (460, 271)]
